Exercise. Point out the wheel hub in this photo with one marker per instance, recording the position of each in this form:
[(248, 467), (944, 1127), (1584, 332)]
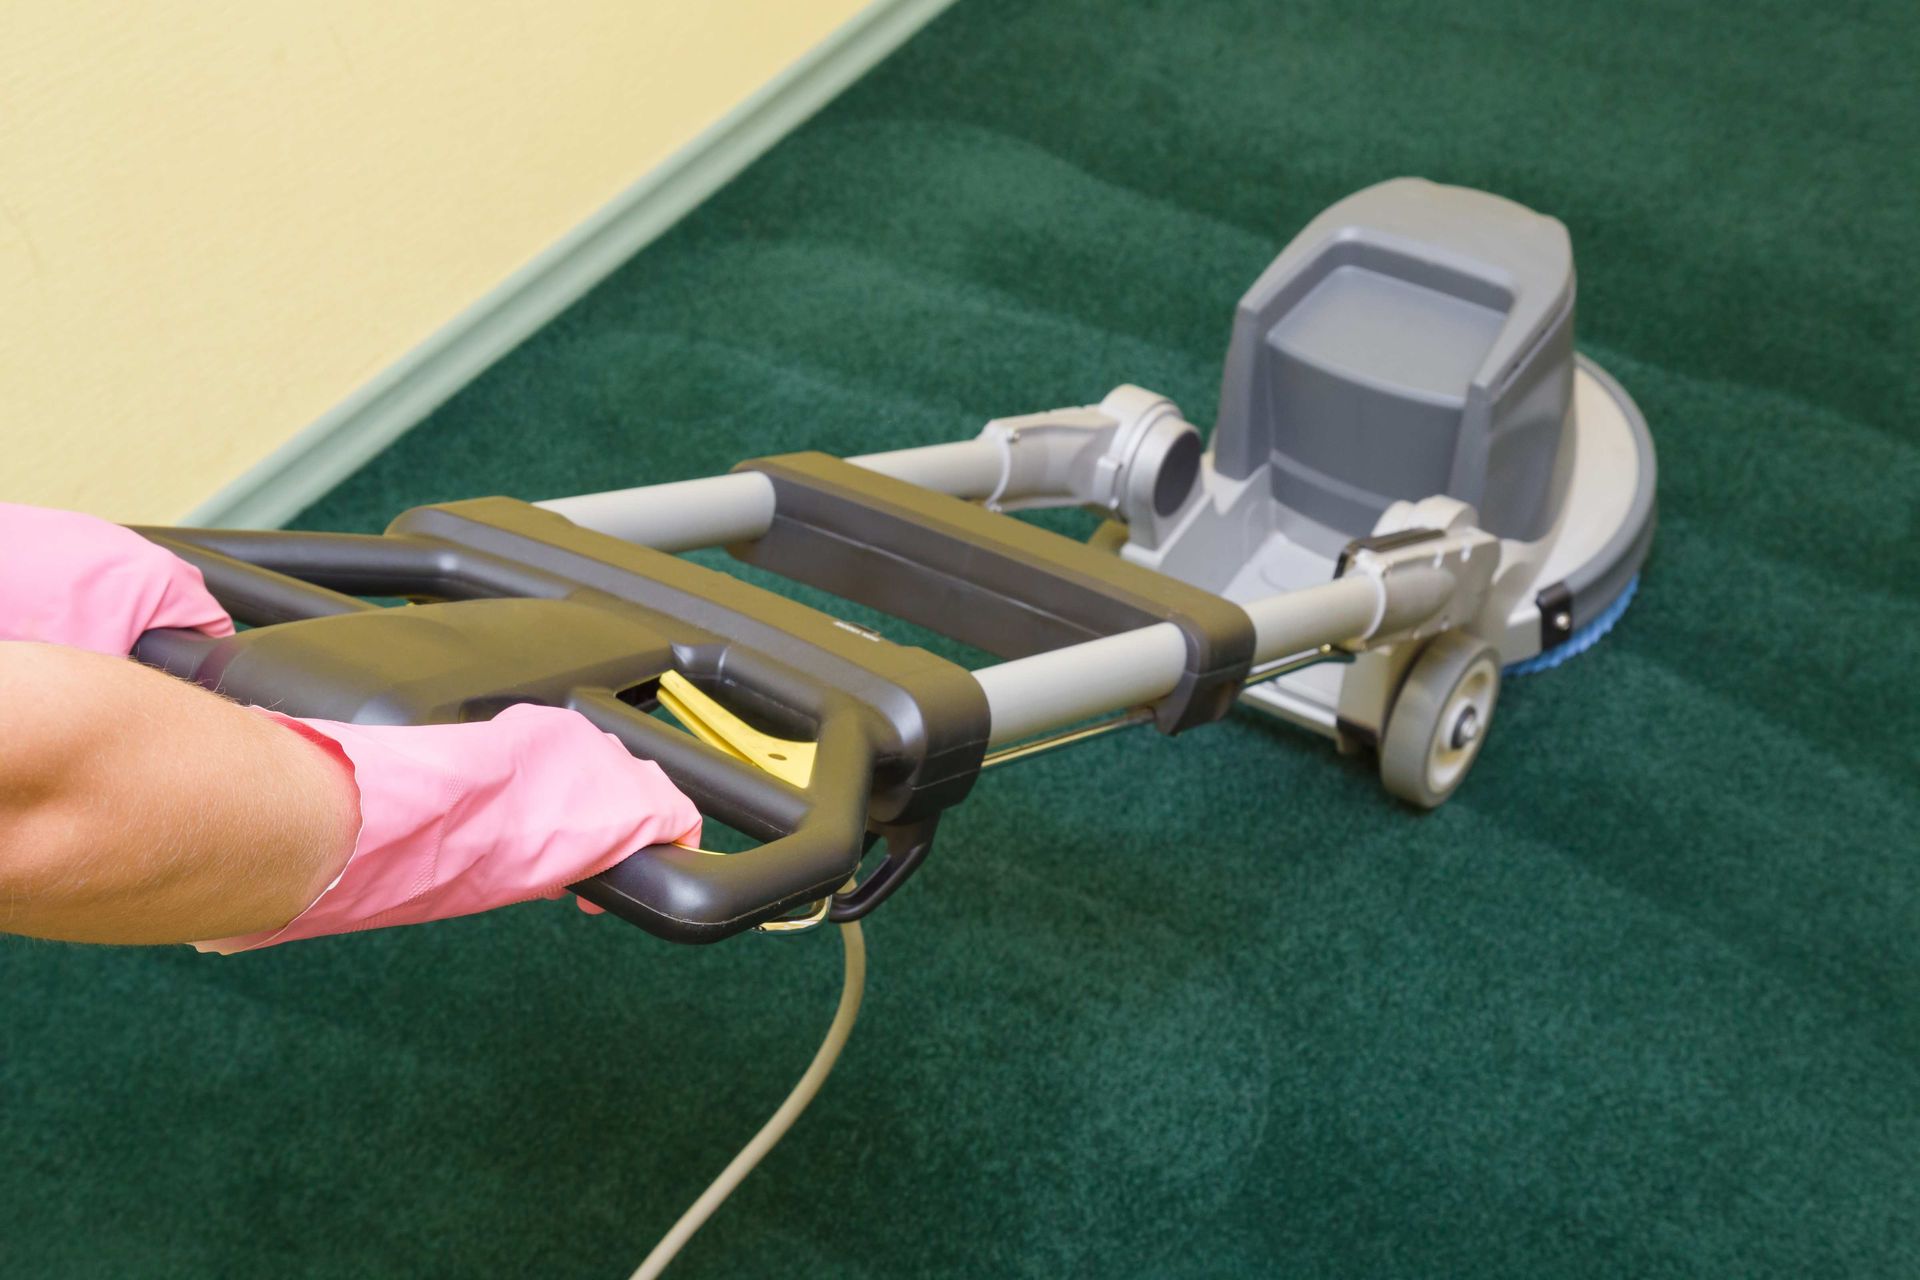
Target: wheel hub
[(1466, 728)]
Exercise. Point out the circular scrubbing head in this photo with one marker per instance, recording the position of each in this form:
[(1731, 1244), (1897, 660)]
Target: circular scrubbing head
[(1583, 639)]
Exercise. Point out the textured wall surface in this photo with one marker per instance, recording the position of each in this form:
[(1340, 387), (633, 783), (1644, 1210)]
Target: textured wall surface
[(219, 219)]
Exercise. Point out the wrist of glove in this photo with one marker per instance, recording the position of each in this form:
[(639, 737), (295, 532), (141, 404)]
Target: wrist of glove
[(454, 819), (462, 818), (76, 580)]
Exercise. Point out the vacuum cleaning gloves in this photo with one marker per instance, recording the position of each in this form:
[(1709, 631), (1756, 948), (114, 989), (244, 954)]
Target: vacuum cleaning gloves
[(454, 819), (74, 580), (461, 818)]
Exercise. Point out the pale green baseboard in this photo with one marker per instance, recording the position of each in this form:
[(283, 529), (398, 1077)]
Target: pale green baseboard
[(332, 448)]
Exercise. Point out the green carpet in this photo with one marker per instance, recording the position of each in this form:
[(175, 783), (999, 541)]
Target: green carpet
[(1643, 1000)]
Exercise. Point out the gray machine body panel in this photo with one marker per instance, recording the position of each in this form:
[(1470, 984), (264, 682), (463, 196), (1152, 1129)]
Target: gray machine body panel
[(1413, 340), (1597, 583)]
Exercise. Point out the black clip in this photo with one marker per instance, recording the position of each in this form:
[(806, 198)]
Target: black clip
[(907, 847)]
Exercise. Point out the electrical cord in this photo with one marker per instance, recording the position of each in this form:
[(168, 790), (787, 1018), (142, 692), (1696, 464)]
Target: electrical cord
[(853, 986)]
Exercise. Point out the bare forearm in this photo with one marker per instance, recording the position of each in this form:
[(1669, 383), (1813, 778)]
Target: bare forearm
[(136, 808)]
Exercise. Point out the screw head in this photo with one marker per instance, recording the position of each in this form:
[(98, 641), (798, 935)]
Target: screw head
[(1465, 728)]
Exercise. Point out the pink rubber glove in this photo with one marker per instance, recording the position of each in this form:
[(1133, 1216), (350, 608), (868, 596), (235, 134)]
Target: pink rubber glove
[(461, 818), (454, 819), (71, 579)]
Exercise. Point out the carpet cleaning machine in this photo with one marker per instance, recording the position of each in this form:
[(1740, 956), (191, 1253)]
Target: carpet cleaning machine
[(1414, 484)]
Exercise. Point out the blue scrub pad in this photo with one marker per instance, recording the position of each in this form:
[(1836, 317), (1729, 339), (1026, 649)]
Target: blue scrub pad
[(1580, 641)]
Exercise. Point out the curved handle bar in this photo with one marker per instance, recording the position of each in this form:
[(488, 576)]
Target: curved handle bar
[(815, 838), (339, 657)]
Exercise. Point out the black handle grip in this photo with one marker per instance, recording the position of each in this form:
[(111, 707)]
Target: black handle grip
[(520, 617), (815, 837)]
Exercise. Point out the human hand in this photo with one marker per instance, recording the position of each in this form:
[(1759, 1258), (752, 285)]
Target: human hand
[(461, 818), (77, 580)]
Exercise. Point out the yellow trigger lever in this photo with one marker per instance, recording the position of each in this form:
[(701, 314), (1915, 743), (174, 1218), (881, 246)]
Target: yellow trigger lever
[(713, 724), (789, 761)]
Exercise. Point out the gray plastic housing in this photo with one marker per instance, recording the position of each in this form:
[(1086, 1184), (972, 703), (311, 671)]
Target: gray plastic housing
[(1414, 339)]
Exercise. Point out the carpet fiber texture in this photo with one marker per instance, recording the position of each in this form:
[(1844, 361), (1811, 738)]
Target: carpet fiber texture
[(1643, 1000)]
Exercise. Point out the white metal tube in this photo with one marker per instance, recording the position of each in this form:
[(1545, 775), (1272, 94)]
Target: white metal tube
[(1346, 608), (738, 507), (964, 468), (1052, 690), (678, 516), (1003, 463)]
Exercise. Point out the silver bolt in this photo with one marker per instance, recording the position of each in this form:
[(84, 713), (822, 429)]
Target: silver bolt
[(1466, 728), (1563, 621)]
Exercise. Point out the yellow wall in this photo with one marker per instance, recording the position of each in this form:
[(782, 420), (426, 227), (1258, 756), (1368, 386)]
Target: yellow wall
[(219, 217)]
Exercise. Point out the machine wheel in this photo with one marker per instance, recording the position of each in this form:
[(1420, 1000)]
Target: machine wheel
[(1439, 719)]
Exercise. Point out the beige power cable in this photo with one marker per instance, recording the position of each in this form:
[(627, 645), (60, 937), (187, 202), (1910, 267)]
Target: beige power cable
[(791, 762)]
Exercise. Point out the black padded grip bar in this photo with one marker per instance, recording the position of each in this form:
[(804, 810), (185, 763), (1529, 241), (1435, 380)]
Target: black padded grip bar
[(988, 580), (526, 607), (255, 595)]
